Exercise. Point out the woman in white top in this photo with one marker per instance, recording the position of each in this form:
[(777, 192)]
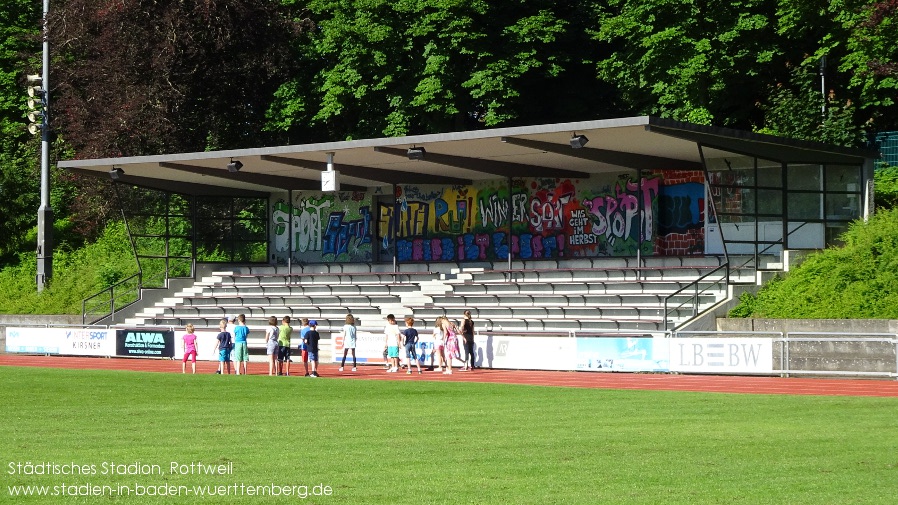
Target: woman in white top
[(349, 341)]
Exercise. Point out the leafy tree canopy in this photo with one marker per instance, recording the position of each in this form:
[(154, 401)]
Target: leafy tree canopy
[(378, 67), (140, 77), (19, 191)]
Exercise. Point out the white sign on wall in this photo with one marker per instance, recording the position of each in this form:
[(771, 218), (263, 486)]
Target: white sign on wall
[(205, 345), (70, 341), (721, 355)]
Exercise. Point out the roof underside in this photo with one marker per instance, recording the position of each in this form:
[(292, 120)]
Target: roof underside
[(615, 146)]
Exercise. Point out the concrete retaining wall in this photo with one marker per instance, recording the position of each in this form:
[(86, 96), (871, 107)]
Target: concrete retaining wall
[(829, 352)]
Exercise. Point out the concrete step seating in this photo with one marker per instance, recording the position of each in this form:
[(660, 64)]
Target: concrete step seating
[(574, 295), (554, 313), (577, 275), (326, 278), (551, 300)]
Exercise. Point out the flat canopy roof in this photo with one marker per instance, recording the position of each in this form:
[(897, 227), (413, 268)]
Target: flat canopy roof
[(614, 145)]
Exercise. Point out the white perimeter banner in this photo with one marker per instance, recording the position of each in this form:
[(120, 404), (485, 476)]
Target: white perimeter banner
[(721, 355), (622, 354), (69, 341), (205, 345), (491, 351), (369, 346), (531, 353)]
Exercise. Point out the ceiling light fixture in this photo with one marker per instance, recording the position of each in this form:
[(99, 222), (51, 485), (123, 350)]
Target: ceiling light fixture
[(578, 141), (234, 166), (416, 153)]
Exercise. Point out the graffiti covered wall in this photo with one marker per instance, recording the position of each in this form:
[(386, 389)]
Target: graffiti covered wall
[(681, 207), (550, 218), (323, 227)]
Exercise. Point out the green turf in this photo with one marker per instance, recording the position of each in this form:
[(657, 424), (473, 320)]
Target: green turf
[(384, 442)]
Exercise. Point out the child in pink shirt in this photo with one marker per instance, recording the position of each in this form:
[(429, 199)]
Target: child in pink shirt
[(189, 348)]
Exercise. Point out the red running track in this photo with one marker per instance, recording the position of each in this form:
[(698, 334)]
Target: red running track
[(601, 380)]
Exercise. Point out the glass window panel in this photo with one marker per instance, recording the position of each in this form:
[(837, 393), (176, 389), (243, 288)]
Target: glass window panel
[(843, 178), (770, 201), (734, 200), (805, 206), (806, 177), (842, 206), (834, 230), (770, 174), (731, 170)]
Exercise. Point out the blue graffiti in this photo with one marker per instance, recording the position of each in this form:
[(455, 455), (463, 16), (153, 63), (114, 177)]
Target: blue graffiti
[(340, 235)]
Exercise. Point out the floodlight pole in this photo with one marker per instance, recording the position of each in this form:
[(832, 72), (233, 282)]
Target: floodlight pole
[(44, 212)]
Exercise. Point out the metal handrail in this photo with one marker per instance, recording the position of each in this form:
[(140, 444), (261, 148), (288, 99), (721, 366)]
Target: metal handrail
[(694, 284), (110, 292)]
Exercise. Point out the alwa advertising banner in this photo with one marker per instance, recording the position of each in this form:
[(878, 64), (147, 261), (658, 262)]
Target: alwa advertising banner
[(67, 341), (145, 343)]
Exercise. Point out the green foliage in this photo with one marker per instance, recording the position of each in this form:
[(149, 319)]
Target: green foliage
[(871, 55), (795, 110), (77, 274), (747, 305), (378, 67), (856, 281), (685, 61), (885, 182), (19, 168)]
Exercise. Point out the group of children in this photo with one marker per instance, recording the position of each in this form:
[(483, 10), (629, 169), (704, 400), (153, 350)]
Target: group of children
[(231, 344), (224, 346), (445, 344), (278, 341)]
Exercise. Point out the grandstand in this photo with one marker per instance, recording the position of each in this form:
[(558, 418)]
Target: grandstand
[(626, 226)]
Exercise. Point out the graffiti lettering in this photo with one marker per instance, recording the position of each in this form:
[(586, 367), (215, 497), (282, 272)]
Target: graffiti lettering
[(307, 225), (449, 221), (340, 235), (545, 215), (614, 215)]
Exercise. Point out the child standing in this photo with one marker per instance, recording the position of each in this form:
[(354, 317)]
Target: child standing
[(284, 346), (411, 340), (349, 341), (312, 338), (223, 347), (303, 346), (439, 344), (391, 343), (450, 348), (271, 344), (189, 348), (241, 351)]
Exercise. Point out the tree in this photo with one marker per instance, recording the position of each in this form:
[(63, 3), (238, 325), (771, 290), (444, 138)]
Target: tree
[(377, 67), (141, 77), (19, 192), (703, 62), (797, 110), (871, 59)]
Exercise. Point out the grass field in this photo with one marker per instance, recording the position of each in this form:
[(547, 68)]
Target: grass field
[(384, 442)]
